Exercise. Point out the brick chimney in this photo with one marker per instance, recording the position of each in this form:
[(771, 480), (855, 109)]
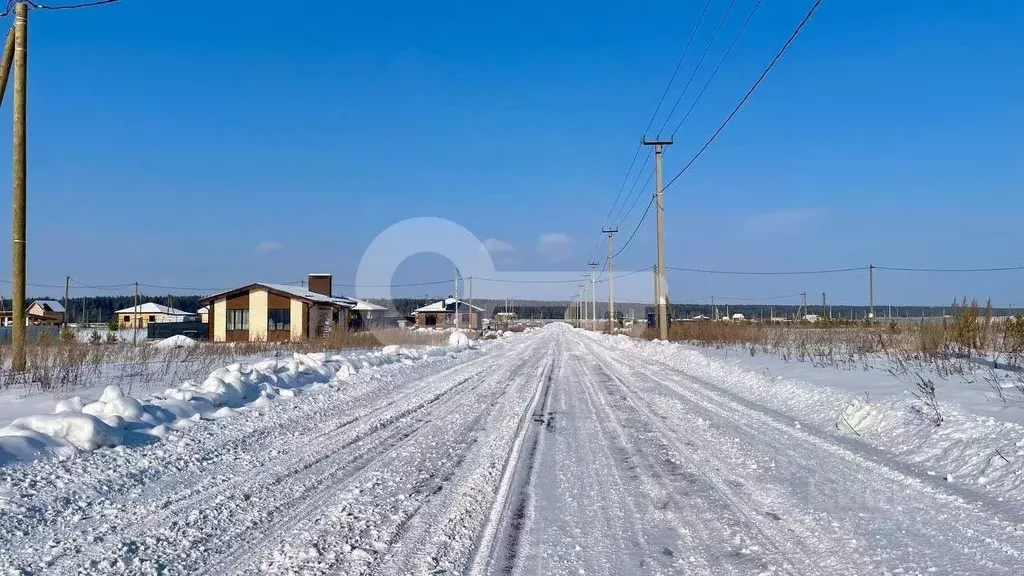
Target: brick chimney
[(321, 284)]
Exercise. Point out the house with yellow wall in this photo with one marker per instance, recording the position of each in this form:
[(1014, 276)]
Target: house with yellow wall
[(144, 314), (263, 311)]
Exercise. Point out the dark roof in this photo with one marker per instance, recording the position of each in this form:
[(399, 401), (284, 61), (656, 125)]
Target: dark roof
[(284, 290)]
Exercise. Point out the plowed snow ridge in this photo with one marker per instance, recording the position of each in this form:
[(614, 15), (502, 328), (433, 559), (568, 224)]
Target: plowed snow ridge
[(554, 452)]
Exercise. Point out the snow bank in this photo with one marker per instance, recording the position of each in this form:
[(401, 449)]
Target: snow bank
[(116, 419), (981, 452), (177, 341), (459, 340)]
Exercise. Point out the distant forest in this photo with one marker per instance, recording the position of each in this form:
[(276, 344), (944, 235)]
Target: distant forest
[(94, 309)]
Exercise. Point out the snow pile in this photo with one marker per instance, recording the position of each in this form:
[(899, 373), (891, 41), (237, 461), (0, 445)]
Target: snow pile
[(459, 340), (977, 450), (116, 419), (178, 341), (858, 418)]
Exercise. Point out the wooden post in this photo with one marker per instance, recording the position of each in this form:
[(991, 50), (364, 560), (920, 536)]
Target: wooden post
[(19, 177)]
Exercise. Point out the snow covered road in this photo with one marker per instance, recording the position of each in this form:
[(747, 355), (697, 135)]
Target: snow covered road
[(550, 453)]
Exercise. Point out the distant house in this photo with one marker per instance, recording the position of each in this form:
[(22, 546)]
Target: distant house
[(738, 317), (38, 313), (144, 314), (443, 313), (46, 312), (366, 314), (505, 317), (277, 312), (204, 314)]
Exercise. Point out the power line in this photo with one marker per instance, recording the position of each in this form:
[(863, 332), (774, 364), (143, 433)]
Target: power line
[(679, 64), (668, 86), (696, 68), (110, 287), (951, 270), (633, 233), (624, 181), (746, 96), (636, 200), (737, 298), (38, 6), (714, 72), (36, 285), (785, 273), (620, 216)]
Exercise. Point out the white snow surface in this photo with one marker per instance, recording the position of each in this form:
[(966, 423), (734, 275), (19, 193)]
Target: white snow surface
[(548, 452), (873, 407), (176, 341), (115, 419)]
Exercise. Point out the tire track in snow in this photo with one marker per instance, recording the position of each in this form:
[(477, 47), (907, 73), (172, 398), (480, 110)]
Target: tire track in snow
[(460, 406), (343, 468), (295, 468), (500, 538), (860, 514), (659, 513), (442, 537), (796, 559), (374, 512)]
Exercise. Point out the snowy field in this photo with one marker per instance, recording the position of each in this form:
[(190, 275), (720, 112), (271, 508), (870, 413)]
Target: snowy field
[(555, 451)]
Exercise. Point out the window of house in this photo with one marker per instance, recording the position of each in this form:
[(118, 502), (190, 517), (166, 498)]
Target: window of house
[(464, 319), (152, 318), (127, 319), (279, 319), (237, 319)]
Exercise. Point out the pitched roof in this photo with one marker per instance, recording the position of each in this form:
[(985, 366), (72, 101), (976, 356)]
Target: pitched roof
[(289, 290), (53, 305), (203, 310), (299, 292), (154, 308), (362, 306), (446, 305)]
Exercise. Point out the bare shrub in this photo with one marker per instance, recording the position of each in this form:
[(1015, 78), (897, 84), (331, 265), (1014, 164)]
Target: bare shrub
[(928, 403)]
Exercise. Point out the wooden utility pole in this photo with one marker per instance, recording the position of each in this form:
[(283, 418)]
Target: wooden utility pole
[(471, 323), (824, 309), (6, 63), (871, 291), (593, 295), (19, 177), (654, 309), (67, 289), (611, 280), (136, 320), (661, 301)]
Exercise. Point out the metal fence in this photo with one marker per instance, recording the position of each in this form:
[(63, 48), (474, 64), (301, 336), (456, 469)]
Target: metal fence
[(161, 330), (34, 333)]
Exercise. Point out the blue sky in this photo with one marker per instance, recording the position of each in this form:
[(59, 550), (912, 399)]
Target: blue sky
[(219, 144)]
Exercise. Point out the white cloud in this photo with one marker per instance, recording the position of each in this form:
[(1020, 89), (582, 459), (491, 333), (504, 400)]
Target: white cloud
[(495, 246), (554, 239), (268, 246), (555, 244)]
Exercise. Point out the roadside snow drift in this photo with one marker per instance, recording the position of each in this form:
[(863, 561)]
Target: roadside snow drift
[(116, 419), (979, 452)]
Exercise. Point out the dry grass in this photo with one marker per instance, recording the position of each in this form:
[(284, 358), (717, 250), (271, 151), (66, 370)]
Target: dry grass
[(948, 346), (65, 364)]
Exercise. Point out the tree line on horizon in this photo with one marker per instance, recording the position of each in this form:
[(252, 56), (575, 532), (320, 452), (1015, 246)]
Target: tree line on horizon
[(100, 309)]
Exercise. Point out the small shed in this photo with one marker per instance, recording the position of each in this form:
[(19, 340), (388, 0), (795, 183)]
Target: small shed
[(445, 312)]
